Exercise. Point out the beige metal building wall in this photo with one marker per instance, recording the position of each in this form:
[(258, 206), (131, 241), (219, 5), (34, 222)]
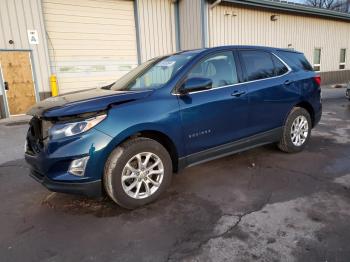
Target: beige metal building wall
[(16, 17), (229, 24), (157, 34), (91, 42), (190, 16)]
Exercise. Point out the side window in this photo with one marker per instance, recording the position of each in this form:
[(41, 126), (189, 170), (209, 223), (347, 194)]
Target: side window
[(295, 60), (258, 64), (342, 58), (280, 68), (317, 59), (220, 68)]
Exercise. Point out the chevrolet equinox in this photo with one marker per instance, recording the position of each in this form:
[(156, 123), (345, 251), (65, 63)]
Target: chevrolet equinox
[(128, 138)]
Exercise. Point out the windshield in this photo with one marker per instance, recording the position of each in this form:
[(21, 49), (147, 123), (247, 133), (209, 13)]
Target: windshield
[(152, 74)]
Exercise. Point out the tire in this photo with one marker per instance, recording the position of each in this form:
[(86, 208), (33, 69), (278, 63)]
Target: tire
[(116, 169), (287, 144)]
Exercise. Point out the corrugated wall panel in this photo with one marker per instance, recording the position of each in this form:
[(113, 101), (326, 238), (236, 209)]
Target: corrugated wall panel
[(16, 17), (157, 28), (91, 42), (229, 24), (190, 24)]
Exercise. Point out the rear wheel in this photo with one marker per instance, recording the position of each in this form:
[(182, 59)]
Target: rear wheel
[(137, 172), (296, 132)]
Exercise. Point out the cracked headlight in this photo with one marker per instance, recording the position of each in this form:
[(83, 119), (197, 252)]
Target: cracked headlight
[(70, 129)]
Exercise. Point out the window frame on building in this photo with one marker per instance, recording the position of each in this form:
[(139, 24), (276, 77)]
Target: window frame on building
[(317, 66), (342, 63)]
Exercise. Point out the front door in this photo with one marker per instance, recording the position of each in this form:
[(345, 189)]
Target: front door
[(18, 81), (216, 116)]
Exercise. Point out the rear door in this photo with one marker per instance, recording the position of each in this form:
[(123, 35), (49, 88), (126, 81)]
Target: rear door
[(217, 116), (271, 91)]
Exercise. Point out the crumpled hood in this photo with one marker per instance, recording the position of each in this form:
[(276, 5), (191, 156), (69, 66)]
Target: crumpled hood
[(83, 102)]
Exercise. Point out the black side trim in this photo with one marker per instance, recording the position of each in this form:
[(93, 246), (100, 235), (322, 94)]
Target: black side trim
[(90, 189), (268, 137)]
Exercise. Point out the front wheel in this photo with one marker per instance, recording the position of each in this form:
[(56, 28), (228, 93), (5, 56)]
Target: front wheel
[(137, 172), (297, 131)]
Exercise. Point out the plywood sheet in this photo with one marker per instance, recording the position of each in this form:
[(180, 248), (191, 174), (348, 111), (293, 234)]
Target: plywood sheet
[(17, 72)]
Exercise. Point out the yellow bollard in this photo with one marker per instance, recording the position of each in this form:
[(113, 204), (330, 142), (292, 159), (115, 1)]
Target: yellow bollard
[(54, 86)]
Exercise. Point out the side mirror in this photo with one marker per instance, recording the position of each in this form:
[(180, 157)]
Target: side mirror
[(196, 84)]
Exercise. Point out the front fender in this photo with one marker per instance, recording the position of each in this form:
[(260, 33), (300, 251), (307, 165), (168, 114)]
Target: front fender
[(124, 135), (157, 114)]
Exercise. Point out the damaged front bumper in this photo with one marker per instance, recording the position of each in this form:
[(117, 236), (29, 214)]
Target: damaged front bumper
[(90, 189), (50, 160)]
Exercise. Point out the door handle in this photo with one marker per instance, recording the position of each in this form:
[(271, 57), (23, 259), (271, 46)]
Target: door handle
[(237, 93), (6, 86), (288, 82)]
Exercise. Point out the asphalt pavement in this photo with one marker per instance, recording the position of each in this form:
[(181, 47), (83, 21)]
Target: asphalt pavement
[(259, 205)]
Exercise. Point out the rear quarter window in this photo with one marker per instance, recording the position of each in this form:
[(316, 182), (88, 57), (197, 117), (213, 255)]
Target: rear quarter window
[(296, 61), (280, 68)]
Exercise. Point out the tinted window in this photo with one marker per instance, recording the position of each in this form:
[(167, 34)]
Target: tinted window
[(220, 68), (296, 61), (280, 68), (258, 64)]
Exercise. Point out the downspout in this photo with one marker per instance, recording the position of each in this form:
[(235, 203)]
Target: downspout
[(177, 24), (204, 23), (215, 4), (137, 28)]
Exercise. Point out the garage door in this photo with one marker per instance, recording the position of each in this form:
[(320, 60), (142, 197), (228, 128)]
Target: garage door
[(91, 42)]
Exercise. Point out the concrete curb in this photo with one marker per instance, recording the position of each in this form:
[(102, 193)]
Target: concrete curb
[(15, 120)]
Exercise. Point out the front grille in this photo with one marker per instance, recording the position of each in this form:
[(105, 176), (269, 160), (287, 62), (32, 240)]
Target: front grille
[(45, 126), (34, 136)]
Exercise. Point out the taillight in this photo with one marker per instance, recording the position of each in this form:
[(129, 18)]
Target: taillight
[(317, 80)]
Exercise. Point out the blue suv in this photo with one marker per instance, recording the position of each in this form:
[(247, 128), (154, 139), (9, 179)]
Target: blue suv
[(175, 111)]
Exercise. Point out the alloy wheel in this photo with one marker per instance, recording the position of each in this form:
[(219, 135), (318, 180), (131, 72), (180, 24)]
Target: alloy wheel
[(299, 130), (142, 175)]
